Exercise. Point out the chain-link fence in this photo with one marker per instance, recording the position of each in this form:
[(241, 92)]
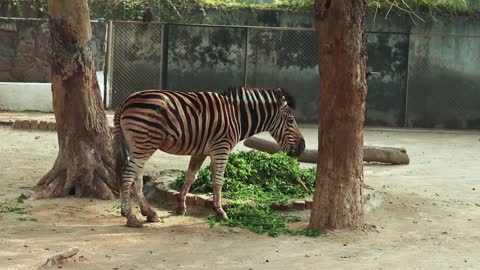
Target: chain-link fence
[(137, 53), (427, 81), (205, 58)]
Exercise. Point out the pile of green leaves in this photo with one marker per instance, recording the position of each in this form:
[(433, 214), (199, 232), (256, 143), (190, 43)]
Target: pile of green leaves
[(254, 181), (257, 176)]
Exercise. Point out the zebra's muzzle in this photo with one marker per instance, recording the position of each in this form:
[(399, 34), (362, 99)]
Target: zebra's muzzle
[(298, 150)]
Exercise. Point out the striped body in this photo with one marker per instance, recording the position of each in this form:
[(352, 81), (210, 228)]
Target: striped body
[(198, 124)]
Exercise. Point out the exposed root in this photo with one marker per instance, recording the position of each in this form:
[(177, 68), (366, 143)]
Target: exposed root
[(70, 178)]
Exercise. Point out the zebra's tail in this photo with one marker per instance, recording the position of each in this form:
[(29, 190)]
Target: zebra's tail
[(119, 147)]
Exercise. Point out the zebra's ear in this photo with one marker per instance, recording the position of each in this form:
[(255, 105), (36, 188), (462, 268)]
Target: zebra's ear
[(279, 96)]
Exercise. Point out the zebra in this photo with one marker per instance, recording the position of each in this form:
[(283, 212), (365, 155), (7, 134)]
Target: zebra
[(198, 124)]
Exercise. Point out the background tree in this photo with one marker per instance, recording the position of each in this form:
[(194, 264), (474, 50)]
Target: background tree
[(342, 57), (84, 165)]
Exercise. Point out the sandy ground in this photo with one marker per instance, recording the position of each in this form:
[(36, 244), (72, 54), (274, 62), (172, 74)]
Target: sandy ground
[(430, 218)]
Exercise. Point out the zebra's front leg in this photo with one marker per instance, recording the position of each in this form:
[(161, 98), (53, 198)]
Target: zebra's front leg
[(193, 167), (219, 162)]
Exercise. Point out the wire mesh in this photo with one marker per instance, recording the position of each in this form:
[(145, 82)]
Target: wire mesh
[(426, 81), (388, 55), (287, 59), (137, 59), (443, 82), (203, 58)]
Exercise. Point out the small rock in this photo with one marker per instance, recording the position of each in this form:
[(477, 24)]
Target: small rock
[(436, 194), (344, 245), (473, 188), (25, 245), (307, 255), (444, 232), (267, 261), (37, 137), (92, 229)]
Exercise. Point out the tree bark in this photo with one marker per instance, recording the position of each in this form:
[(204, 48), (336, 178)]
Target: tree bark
[(84, 165), (342, 56)]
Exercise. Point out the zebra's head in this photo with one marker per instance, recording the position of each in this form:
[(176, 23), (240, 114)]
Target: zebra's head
[(285, 129)]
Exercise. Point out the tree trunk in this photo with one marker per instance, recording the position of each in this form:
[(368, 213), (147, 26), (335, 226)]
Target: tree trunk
[(342, 56), (84, 165)]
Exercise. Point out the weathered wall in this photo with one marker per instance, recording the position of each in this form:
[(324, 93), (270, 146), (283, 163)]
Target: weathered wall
[(205, 58), (429, 71), (137, 59), (24, 49), (444, 75)]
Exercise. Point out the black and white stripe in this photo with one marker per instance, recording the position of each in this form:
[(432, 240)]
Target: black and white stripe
[(197, 124)]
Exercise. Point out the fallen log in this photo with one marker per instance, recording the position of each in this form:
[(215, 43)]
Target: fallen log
[(389, 155)]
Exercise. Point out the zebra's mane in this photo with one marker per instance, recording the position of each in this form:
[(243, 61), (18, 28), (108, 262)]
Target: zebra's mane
[(235, 91)]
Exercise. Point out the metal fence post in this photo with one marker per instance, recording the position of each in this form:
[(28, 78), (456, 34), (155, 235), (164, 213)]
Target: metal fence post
[(108, 95), (405, 117), (164, 55), (245, 68)]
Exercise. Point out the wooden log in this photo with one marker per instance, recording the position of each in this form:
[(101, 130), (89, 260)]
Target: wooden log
[(389, 155)]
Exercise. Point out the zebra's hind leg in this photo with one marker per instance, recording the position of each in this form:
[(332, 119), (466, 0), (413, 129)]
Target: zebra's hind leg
[(145, 208), (133, 169), (193, 167), (219, 162)]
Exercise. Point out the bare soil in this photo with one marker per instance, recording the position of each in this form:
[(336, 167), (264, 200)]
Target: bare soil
[(430, 218)]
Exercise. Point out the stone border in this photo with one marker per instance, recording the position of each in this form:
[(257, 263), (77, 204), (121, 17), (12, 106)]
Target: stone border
[(155, 192), (159, 194), (35, 125)]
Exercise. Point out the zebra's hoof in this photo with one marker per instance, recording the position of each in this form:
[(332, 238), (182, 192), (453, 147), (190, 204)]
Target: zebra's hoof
[(133, 222), (153, 218)]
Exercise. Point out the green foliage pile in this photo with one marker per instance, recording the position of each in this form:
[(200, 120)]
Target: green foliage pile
[(257, 176), (254, 181)]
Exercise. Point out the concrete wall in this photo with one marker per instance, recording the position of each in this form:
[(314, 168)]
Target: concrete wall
[(24, 49), (444, 75), (24, 63), (21, 96), (429, 70)]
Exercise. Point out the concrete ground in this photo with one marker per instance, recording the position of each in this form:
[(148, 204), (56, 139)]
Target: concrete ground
[(430, 218)]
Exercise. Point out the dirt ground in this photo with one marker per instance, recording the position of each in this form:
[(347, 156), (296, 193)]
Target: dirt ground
[(430, 218)]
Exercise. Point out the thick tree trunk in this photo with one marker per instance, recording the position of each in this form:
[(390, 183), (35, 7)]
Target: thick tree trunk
[(342, 56), (84, 165)]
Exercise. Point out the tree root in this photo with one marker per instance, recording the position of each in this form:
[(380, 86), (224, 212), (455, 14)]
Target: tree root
[(71, 178)]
